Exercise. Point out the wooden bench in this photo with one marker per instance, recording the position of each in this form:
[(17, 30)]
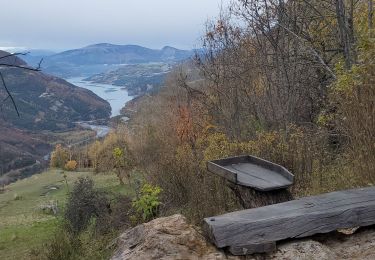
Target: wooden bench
[(257, 230)]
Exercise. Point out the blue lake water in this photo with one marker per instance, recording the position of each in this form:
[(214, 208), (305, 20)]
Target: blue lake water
[(115, 95)]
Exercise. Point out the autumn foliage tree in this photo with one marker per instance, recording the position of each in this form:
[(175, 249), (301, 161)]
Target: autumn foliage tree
[(59, 157)]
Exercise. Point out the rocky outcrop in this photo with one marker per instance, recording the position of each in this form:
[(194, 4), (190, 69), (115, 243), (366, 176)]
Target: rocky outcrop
[(173, 238), (165, 238)]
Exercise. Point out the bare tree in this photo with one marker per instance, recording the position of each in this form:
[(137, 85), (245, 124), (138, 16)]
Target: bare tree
[(370, 13)]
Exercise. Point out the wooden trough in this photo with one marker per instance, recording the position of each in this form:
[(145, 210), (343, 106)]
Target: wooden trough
[(255, 182), (257, 230), (253, 172)]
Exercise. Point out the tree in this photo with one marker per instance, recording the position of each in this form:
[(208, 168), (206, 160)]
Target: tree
[(59, 157), (122, 164)]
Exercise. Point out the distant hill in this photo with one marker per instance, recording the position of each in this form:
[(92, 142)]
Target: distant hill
[(105, 53), (103, 57), (34, 56), (137, 79), (47, 102)]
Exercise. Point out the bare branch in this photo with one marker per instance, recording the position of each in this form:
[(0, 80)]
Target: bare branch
[(15, 66), (9, 95), (20, 67), (316, 54)]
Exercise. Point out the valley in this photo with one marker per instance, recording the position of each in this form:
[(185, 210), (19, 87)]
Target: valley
[(76, 92), (251, 138)]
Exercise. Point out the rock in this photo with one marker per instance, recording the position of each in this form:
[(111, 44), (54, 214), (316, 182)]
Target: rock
[(360, 245), (165, 238), (303, 249), (173, 238), (348, 231), (357, 246)]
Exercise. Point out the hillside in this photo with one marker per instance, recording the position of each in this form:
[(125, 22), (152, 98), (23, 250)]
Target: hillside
[(136, 78), (24, 226), (21, 153), (45, 103), (48, 103)]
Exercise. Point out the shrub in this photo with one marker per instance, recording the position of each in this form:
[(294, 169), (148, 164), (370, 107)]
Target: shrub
[(85, 203), (63, 246), (148, 203), (71, 165)]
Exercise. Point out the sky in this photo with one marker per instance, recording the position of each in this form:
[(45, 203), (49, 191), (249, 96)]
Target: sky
[(67, 24)]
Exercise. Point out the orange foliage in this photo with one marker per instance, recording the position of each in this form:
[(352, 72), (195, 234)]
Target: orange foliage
[(71, 165)]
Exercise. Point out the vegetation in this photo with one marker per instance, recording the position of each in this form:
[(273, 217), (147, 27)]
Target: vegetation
[(24, 226), (288, 81), (59, 157), (148, 203), (70, 165)]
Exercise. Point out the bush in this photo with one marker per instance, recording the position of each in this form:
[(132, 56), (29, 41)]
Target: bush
[(91, 221), (71, 165), (85, 203), (63, 246), (148, 203)]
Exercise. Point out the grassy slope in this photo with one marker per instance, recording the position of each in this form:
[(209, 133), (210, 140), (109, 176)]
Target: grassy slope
[(22, 225)]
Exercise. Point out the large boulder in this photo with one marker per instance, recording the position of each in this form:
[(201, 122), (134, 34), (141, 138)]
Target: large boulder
[(165, 238)]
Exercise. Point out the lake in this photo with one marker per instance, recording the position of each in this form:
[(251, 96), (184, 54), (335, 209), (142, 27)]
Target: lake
[(115, 95)]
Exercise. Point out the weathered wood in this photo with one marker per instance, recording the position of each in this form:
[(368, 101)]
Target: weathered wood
[(254, 230), (253, 172), (251, 198)]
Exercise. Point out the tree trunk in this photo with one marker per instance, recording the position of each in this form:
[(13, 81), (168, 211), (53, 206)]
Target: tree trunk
[(250, 198), (344, 32), (119, 176), (370, 13)]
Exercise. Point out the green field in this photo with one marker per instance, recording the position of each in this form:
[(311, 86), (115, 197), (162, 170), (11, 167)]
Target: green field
[(23, 225)]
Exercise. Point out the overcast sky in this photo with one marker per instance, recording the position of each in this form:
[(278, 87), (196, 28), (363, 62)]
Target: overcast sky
[(66, 24)]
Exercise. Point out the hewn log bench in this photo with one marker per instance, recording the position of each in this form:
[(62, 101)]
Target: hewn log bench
[(257, 230)]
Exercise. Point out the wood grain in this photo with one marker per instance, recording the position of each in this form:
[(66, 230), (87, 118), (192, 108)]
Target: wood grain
[(252, 172), (254, 230)]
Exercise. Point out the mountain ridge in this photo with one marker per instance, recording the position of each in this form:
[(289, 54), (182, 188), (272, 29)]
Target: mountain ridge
[(106, 53), (103, 57)]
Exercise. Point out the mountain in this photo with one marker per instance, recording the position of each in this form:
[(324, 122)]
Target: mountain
[(102, 57), (34, 56), (105, 53), (46, 103)]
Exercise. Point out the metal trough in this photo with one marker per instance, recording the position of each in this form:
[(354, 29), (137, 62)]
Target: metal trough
[(253, 172)]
